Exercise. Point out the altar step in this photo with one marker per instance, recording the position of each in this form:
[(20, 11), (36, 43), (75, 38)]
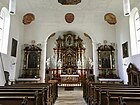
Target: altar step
[(74, 85)]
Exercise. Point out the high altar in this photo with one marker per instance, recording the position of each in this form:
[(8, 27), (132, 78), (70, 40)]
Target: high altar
[(69, 54)]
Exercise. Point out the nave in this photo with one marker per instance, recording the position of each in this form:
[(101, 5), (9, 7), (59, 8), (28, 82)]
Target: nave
[(91, 92), (72, 97)]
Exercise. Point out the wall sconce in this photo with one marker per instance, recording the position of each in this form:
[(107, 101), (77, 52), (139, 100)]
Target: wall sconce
[(126, 7), (12, 6)]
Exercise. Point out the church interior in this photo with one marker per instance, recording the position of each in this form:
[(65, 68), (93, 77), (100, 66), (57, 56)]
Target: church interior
[(69, 52)]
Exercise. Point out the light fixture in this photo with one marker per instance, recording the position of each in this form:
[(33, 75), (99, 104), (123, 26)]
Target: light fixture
[(126, 7), (12, 6)]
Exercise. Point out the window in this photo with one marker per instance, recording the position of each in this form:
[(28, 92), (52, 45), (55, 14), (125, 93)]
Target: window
[(1, 29), (135, 31), (4, 29)]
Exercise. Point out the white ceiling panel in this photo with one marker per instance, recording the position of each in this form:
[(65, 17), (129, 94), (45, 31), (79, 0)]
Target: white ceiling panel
[(50, 9)]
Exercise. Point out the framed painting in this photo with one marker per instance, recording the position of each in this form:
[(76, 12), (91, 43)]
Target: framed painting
[(125, 50), (106, 59), (14, 47)]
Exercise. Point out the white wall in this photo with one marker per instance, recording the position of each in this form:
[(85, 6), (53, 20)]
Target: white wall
[(93, 25), (16, 32), (123, 35), (12, 64), (2, 77)]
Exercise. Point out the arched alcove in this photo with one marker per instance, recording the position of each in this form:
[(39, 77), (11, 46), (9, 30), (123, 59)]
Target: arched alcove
[(69, 53)]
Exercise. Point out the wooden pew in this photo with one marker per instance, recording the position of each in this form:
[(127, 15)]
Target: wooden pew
[(19, 98), (52, 92), (92, 91), (110, 96), (127, 97), (48, 91), (89, 92)]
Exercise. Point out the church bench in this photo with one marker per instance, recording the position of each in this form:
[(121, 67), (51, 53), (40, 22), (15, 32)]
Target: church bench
[(113, 98), (27, 92), (48, 90), (110, 96), (129, 100), (52, 89), (92, 90), (21, 98), (88, 88)]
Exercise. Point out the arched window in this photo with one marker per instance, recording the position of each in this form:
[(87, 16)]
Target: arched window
[(134, 21), (4, 29)]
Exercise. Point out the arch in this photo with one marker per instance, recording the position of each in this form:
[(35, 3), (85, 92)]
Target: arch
[(77, 40), (59, 29), (78, 33)]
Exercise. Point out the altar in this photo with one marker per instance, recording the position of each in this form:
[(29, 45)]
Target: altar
[(70, 80), (69, 54)]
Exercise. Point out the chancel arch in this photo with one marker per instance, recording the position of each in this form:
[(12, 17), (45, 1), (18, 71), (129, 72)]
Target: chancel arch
[(68, 57)]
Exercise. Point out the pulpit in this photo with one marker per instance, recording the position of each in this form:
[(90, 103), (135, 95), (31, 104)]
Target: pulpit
[(133, 75)]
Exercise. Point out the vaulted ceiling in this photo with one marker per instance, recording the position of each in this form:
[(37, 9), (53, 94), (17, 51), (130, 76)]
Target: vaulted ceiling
[(48, 8)]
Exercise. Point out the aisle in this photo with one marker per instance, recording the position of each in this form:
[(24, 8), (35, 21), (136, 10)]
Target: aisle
[(74, 97)]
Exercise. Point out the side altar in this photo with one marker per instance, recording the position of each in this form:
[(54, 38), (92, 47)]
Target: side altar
[(106, 63), (31, 63)]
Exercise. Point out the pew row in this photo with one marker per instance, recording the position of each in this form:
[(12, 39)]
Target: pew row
[(21, 98), (96, 93), (88, 88), (111, 96), (27, 93)]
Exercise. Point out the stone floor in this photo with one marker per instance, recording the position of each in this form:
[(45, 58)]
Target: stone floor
[(70, 97)]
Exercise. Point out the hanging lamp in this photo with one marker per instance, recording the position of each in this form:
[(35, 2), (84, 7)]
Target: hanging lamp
[(12, 7), (126, 7)]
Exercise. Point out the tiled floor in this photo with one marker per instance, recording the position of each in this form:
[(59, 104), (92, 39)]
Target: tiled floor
[(70, 97)]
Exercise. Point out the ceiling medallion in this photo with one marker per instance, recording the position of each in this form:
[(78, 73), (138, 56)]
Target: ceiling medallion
[(69, 2), (28, 18), (69, 17), (110, 18)]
